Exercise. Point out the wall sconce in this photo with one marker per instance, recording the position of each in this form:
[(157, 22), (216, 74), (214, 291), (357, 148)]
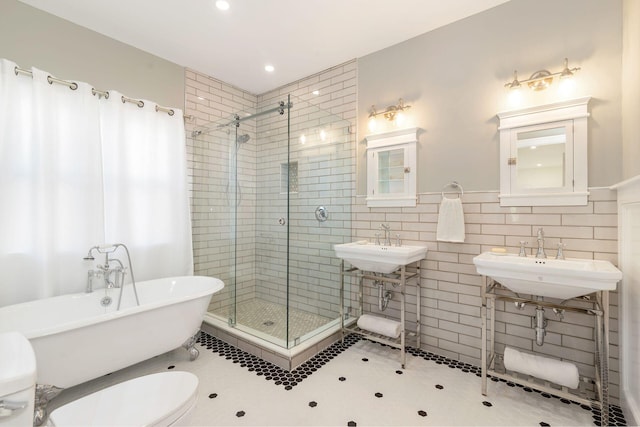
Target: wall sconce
[(393, 113), (541, 79)]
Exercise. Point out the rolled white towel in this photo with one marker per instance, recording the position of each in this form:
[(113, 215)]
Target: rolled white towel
[(556, 371), (380, 325)]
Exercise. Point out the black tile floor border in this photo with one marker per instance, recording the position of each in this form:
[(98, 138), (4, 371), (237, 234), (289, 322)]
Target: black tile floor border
[(290, 379)]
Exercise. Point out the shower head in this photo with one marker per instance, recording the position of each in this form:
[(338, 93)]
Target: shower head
[(241, 139), (90, 256)]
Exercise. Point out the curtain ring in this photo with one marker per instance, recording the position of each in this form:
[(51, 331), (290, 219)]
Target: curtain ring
[(72, 85), (168, 110), (139, 103)]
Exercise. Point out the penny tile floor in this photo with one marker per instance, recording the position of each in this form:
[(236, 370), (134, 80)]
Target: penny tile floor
[(358, 384)]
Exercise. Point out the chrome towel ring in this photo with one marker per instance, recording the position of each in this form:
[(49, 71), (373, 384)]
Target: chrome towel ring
[(453, 184)]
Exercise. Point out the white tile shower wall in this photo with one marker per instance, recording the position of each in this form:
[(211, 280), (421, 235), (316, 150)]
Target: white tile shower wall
[(326, 176), (211, 155), (323, 149), (450, 300)]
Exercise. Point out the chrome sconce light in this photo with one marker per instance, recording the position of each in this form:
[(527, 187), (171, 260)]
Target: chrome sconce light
[(542, 79), (393, 113)]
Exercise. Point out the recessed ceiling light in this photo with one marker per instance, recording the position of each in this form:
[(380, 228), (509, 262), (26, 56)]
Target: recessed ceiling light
[(222, 4), (269, 68)]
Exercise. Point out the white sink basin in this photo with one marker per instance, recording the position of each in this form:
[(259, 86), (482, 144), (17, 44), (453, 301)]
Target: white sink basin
[(554, 278), (379, 259)]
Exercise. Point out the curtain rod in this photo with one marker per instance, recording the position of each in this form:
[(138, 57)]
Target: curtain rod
[(94, 91)]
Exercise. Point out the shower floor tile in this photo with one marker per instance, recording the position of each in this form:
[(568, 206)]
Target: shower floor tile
[(271, 318), (359, 385)]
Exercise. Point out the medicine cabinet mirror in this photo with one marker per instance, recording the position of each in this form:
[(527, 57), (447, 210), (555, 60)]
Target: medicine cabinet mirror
[(543, 155), (391, 168)]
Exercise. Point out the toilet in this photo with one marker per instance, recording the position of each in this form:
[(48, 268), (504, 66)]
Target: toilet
[(17, 380), (164, 399)]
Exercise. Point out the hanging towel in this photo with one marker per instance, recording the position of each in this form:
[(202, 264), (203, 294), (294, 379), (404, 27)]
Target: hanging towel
[(450, 221)]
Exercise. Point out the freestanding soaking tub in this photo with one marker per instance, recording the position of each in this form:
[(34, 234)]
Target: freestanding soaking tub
[(79, 337)]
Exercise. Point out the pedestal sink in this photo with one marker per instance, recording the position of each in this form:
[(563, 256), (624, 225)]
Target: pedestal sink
[(548, 277), (378, 258)]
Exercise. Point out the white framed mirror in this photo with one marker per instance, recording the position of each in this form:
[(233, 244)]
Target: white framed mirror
[(543, 155)]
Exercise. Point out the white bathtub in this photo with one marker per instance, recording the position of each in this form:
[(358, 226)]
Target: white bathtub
[(75, 339)]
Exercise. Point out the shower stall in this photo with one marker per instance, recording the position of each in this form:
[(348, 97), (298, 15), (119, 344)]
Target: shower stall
[(272, 193)]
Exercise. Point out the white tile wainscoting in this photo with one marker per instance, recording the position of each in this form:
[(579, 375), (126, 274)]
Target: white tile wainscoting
[(629, 235), (450, 300)]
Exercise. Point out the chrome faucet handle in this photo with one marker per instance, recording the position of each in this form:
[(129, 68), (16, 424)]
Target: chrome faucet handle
[(540, 253), (560, 254), (378, 239), (523, 250), (398, 240)]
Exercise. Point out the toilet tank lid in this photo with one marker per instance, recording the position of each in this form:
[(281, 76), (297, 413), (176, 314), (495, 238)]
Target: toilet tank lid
[(17, 363)]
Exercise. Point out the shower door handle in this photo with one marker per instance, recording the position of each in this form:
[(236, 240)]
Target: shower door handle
[(282, 221)]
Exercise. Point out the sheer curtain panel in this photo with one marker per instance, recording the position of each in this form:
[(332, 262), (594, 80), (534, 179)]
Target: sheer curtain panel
[(145, 186), (50, 185), (78, 171)]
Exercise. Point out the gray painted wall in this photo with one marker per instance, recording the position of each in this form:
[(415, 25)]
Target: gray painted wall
[(631, 93), (31, 37), (454, 79)]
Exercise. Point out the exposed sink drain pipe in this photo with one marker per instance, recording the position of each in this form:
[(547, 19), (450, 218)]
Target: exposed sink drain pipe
[(541, 324), (384, 296)]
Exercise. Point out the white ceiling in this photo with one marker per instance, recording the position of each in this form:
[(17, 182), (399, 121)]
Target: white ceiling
[(299, 37)]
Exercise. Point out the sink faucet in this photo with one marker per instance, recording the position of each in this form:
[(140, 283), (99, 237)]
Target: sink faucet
[(540, 253), (387, 234)]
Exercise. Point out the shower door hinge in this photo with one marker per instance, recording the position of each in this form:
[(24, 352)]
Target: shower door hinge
[(511, 161)]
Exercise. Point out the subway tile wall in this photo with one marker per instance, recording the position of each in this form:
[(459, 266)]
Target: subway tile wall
[(450, 297), (211, 157), (323, 109), (321, 164)]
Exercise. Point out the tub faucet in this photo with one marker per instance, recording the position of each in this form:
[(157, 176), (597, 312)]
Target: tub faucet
[(541, 253), (387, 234), (107, 272), (113, 276)]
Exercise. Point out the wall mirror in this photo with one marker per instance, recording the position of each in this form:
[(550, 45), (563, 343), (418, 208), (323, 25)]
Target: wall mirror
[(543, 155)]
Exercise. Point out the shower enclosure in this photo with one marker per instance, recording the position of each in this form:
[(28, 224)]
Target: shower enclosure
[(272, 194)]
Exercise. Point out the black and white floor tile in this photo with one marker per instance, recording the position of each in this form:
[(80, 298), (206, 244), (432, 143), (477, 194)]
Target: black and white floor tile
[(358, 384)]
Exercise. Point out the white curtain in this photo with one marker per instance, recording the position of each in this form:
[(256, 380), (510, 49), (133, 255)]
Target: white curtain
[(146, 195), (76, 171)]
